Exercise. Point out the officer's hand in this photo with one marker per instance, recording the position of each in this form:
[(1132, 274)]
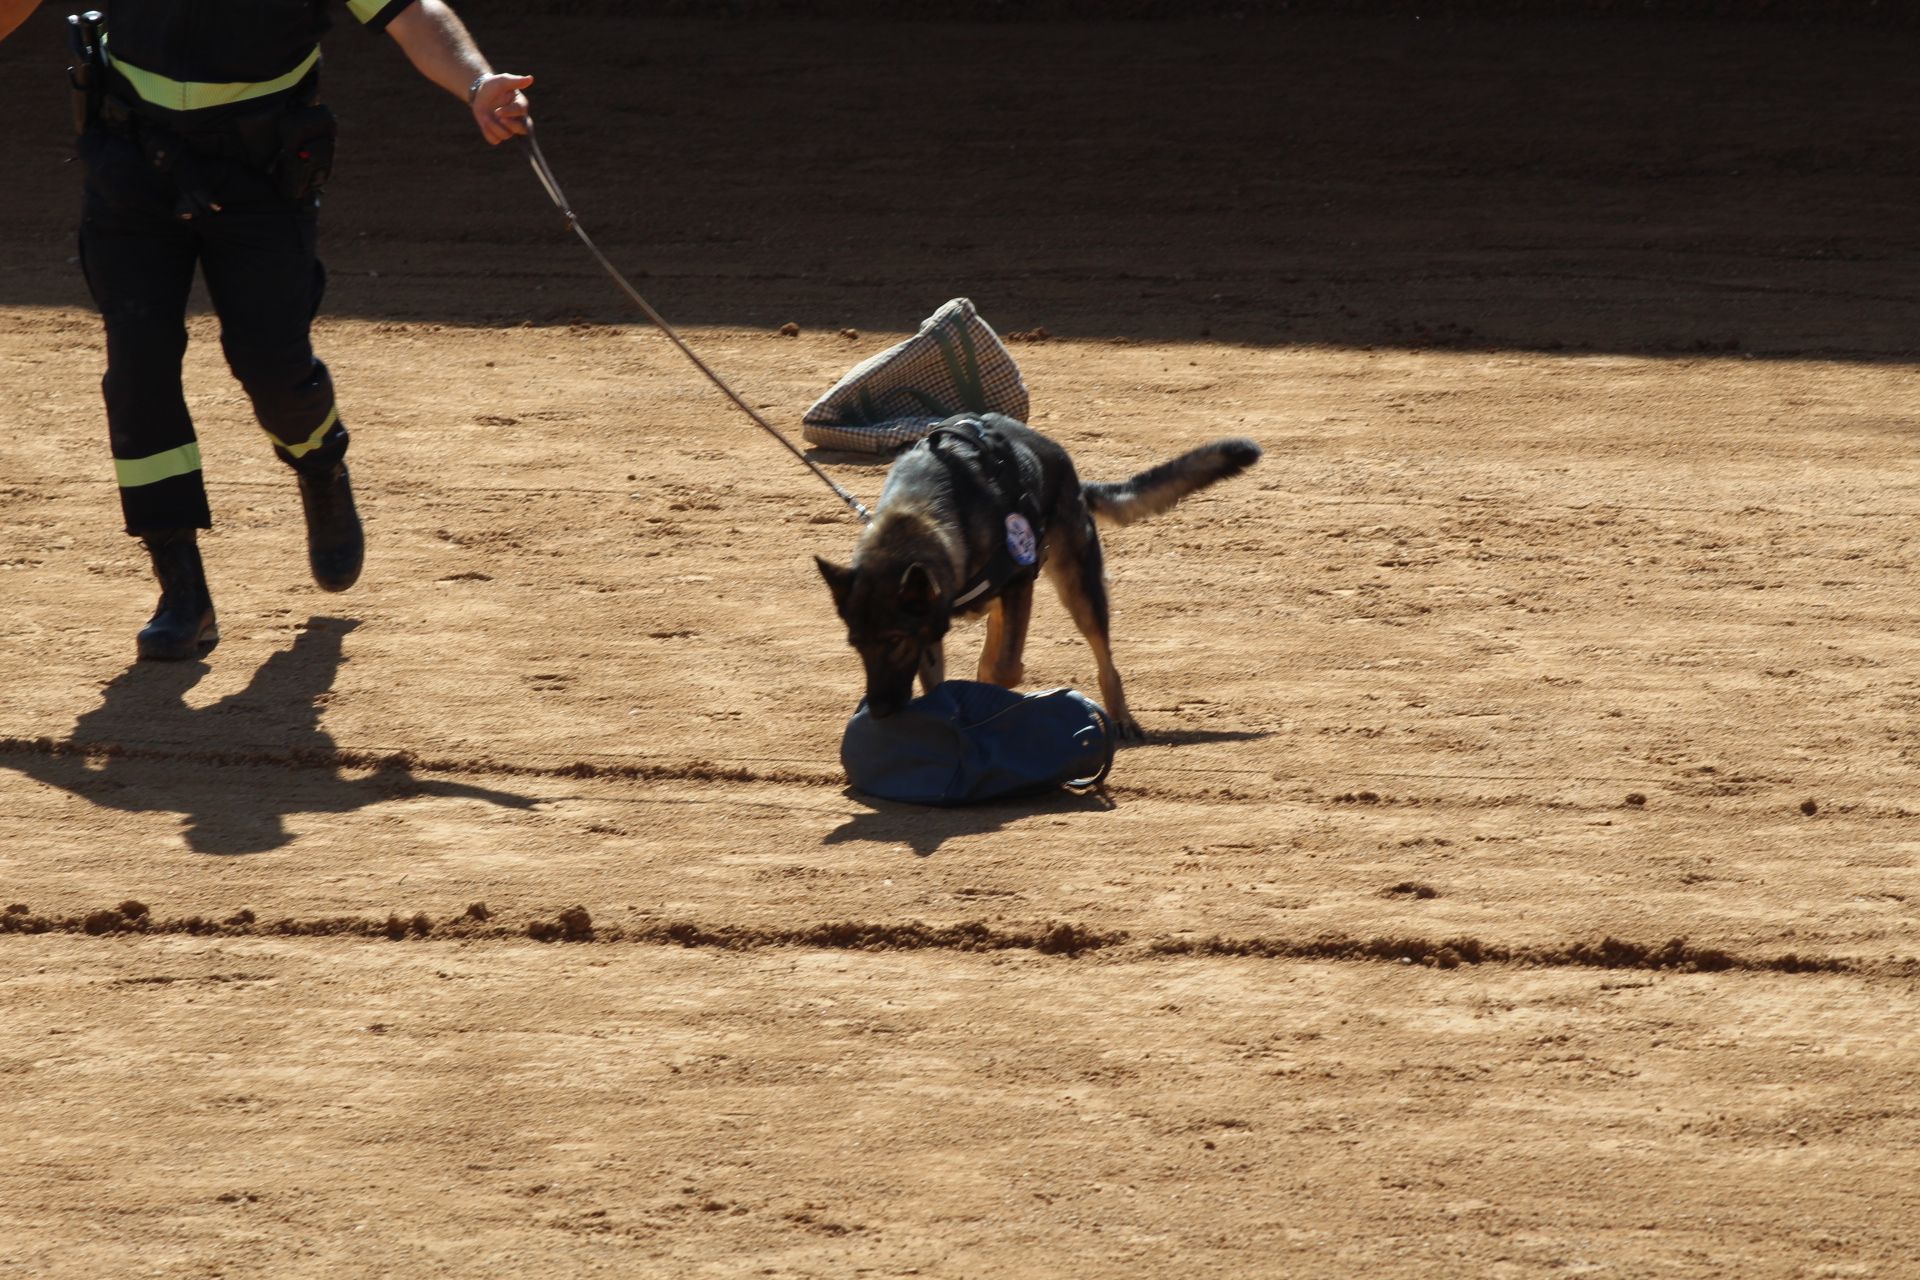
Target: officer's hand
[(500, 109)]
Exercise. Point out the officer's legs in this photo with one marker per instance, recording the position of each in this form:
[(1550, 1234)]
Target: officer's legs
[(266, 284), (139, 261)]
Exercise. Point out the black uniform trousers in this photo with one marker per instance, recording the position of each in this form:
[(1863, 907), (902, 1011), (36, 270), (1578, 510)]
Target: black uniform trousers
[(258, 257)]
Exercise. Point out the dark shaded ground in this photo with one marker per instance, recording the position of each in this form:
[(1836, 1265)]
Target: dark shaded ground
[(1636, 184)]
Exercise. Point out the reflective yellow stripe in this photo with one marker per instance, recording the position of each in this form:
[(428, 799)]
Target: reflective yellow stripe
[(312, 442), (134, 472), (193, 95), (366, 10)]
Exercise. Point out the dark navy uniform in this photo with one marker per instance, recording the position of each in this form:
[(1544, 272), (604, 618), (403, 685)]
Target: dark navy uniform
[(189, 165)]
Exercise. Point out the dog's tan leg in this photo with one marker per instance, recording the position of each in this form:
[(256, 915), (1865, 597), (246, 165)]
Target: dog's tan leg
[(996, 636), (1111, 691), (933, 666), (1080, 579), (1002, 658)]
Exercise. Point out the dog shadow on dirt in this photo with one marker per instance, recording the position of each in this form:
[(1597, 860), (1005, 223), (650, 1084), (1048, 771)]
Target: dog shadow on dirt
[(924, 829), (145, 749)]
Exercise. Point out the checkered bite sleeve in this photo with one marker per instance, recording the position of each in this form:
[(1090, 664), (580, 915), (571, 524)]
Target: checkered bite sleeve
[(954, 364)]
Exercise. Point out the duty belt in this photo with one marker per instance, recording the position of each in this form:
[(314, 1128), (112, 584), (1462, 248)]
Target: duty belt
[(251, 139)]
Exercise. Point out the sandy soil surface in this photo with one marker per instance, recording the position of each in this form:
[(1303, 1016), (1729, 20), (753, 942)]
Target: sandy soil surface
[(1522, 874)]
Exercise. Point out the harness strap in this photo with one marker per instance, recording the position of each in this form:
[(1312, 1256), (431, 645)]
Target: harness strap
[(1012, 501)]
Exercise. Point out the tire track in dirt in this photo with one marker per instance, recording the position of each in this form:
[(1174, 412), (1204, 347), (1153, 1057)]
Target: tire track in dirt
[(406, 761), (1049, 938), (1230, 784), (1299, 500), (410, 762)]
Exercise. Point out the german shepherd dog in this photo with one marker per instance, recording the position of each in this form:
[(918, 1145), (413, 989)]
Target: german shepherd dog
[(966, 520)]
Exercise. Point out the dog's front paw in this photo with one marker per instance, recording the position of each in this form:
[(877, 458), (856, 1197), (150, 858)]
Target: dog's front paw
[(1127, 729)]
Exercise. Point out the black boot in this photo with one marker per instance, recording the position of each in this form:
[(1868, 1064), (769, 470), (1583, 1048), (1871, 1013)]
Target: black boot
[(183, 625), (336, 548)]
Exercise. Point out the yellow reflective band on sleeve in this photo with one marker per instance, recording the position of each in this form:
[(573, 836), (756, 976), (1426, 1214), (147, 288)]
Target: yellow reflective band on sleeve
[(134, 472), (366, 10), (312, 442), (194, 95)]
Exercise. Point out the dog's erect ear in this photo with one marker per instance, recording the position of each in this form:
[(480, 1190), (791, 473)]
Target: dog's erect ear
[(839, 580), (916, 589)]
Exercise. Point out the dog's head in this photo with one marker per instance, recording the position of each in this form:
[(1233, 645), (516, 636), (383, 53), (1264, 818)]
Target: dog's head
[(894, 613)]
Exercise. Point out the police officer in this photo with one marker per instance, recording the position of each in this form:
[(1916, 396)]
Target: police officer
[(204, 145)]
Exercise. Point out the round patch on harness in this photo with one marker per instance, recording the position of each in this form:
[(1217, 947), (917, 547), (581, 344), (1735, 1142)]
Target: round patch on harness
[(1020, 540)]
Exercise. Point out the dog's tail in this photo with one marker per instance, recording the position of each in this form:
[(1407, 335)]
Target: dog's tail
[(1157, 488)]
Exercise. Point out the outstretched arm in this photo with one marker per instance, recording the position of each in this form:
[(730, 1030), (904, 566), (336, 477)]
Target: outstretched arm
[(13, 13), (437, 43)]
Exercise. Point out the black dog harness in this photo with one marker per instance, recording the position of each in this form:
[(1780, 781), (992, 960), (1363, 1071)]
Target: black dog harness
[(999, 475)]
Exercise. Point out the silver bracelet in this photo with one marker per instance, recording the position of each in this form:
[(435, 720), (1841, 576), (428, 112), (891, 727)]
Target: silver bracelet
[(473, 90)]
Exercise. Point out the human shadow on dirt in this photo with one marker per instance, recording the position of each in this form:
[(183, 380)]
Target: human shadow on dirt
[(144, 749), (925, 828)]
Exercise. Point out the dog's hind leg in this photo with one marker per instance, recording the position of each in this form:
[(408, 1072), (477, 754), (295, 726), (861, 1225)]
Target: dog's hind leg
[(1080, 578), (1002, 657)]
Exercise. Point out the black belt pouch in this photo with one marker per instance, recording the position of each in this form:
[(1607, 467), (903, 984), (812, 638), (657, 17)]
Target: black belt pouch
[(306, 151)]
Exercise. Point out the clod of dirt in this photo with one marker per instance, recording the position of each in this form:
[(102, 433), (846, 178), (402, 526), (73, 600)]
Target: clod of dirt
[(850, 334), (1411, 889), (1037, 334), (477, 911), (18, 909), (243, 916), (129, 916), (1067, 940), (1809, 806), (419, 926), (789, 330), (1635, 800), (24, 921), (573, 925)]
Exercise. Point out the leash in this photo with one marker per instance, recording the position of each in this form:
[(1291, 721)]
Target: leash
[(545, 173)]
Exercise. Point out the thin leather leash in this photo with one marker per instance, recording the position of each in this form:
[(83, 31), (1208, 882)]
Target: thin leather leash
[(545, 173)]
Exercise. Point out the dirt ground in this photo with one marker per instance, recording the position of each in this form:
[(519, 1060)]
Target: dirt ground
[(1522, 873)]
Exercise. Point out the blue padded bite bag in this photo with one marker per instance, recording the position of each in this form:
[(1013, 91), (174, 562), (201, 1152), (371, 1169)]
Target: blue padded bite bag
[(968, 742)]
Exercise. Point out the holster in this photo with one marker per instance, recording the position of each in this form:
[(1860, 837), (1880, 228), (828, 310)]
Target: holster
[(306, 151), (86, 74)]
